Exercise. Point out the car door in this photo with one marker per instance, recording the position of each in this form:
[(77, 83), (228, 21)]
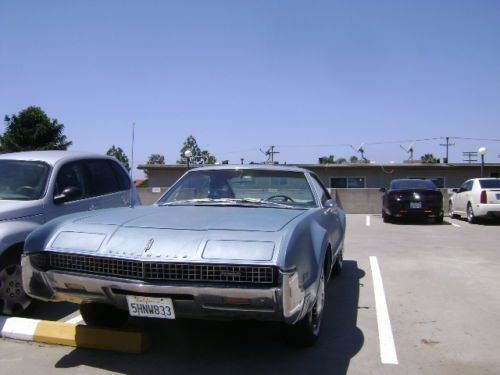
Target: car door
[(69, 175), (462, 197), (109, 185)]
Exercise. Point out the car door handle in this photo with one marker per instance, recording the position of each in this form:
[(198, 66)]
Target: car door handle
[(92, 207)]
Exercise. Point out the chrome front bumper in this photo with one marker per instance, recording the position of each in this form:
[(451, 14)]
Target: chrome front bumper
[(286, 302)]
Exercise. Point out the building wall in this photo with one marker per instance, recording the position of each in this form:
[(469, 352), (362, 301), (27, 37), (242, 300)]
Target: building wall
[(381, 176)]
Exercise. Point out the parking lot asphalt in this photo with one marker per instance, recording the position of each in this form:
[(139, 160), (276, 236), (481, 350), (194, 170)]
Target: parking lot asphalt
[(441, 287)]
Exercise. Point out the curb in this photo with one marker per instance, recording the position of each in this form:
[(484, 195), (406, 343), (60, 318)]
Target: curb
[(78, 336)]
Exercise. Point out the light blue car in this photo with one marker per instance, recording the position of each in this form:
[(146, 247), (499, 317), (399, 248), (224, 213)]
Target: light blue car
[(245, 242), (38, 186)]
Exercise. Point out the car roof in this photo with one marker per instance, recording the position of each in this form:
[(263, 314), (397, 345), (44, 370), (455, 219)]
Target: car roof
[(260, 167), (51, 157)]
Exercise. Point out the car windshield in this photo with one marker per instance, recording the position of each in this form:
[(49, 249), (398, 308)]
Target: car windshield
[(413, 184), (283, 189), (22, 180), (489, 184)]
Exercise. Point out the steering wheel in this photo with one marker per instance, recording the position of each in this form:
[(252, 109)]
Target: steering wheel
[(26, 190), (282, 197)]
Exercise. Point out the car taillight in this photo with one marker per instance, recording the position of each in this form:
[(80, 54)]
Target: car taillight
[(483, 197)]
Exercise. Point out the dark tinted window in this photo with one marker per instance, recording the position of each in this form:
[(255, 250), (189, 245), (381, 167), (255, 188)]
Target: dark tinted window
[(71, 175), (489, 184), (412, 184), (102, 177), (121, 176)]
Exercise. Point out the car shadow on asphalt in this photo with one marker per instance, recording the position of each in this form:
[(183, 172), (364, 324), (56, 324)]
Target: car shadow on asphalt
[(197, 346), (413, 221)]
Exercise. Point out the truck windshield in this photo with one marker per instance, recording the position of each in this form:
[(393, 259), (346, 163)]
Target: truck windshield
[(22, 180)]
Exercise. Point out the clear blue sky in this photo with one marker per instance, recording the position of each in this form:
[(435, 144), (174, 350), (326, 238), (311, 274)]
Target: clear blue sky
[(243, 75)]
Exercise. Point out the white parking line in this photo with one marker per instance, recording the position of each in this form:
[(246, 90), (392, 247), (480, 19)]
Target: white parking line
[(368, 221), (456, 225), (387, 347)]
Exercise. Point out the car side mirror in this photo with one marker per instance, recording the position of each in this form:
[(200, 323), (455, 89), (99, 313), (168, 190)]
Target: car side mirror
[(331, 203), (454, 190), (71, 193), (382, 190)]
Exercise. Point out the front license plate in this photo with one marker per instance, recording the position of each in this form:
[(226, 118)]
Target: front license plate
[(415, 204), (151, 307)]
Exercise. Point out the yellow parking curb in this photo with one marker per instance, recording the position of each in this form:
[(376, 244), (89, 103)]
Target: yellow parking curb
[(73, 335)]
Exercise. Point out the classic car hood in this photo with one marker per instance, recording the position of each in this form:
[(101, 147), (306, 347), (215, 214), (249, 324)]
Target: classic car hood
[(10, 210), (260, 219), (177, 233)]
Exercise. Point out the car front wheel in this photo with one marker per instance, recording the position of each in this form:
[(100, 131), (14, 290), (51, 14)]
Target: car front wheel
[(305, 332), (13, 299)]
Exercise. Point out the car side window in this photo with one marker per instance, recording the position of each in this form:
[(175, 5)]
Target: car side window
[(318, 186), (102, 178), (71, 175), (121, 176), (468, 185)]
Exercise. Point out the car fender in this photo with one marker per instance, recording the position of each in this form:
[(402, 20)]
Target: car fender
[(14, 232), (304, 250)]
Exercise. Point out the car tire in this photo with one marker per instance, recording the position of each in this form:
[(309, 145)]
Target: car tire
[(386, 217), (13, 298), (306, 331), (438, 219), (337, 267), (470, 215), (103, 315)]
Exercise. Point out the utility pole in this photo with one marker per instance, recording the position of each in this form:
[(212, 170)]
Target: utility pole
[(447, 145), (270, 154)]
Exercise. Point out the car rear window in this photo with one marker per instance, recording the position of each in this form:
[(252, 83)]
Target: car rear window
[(412, 184), (489, 184)]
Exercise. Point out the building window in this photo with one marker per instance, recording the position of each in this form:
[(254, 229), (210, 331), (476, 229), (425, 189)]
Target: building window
[(347, 182), (438, 181)]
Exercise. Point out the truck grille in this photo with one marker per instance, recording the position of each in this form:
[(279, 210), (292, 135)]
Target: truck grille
[(159, 271)]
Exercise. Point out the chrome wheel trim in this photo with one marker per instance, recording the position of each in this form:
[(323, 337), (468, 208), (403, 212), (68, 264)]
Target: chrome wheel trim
[(13, 299), (317, 310), (470, 214)]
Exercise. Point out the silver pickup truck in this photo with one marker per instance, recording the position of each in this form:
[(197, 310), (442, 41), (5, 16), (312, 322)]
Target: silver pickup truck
[(38, 186)]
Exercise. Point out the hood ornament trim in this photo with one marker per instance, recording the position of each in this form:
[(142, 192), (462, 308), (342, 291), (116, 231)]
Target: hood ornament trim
[(149, 245)]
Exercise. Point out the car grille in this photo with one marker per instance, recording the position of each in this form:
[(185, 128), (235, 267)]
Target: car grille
[(159, 271)]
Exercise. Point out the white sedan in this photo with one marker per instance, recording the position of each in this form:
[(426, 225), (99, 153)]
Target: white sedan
[(476, 198)]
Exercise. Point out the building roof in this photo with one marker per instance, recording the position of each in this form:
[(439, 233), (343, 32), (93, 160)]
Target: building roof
[(325, 166)]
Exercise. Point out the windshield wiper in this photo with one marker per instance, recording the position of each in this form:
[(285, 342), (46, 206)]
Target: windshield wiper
[(254, 201)]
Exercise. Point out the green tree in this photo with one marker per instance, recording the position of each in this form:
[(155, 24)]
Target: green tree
[(198, 156), (429, 159), (118, 153), (31, 129), (156, 159), (327, 159), (354, 159), (341, 161)]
